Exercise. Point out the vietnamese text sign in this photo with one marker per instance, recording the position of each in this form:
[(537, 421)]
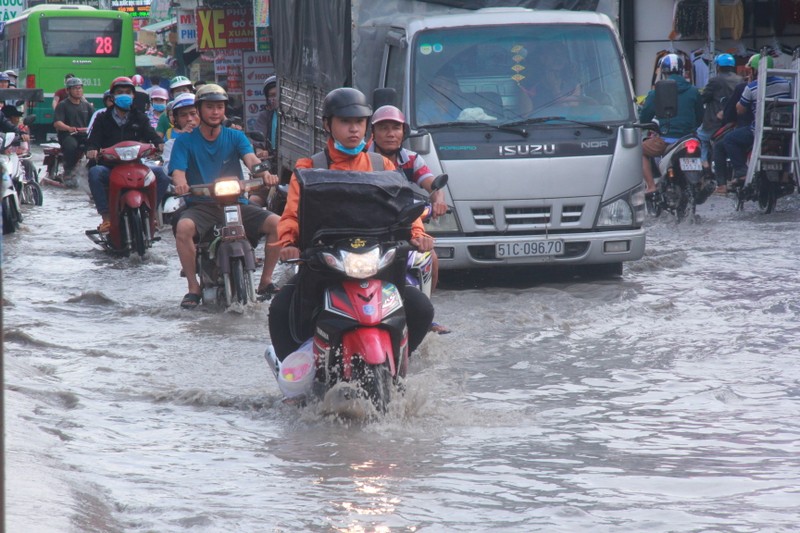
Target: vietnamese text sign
[(187, 27), (257, 68), (10, 9), (225, 28)]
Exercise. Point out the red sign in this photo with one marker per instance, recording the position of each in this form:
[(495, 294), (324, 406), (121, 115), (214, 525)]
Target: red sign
[(225, 29)]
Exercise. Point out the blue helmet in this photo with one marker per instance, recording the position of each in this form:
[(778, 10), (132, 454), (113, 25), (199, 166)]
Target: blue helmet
[(671, 64), (725, 60)]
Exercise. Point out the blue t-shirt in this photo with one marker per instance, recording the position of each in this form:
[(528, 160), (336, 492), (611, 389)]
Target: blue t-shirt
[(204, 161)]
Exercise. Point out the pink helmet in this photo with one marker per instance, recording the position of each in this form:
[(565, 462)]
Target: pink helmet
[(390, 112), (159, 92), (137, 80)]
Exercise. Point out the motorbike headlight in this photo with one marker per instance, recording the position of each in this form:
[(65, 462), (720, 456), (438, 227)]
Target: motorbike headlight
[(616, 213), (227, 188), (127, 153), (447, 223), (361, 266)]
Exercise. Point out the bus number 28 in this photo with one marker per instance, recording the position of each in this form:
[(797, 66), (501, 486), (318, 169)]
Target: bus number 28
[(105, 45)]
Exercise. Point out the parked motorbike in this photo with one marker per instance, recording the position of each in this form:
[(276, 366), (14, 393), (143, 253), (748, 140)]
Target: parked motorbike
[(29, 189), (10, 167), (359, 349), (771, 180), (225, 264), (681, 184), (132, 200)]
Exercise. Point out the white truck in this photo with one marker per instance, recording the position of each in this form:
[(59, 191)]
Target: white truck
[(530, 112)]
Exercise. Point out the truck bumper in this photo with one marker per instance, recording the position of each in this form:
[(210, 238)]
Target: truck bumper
[(579, 249)]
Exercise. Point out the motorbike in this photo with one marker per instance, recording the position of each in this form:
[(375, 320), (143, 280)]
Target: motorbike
[(358, 353), (10, 167), (53, 162), (226, 262), (419, 266), (132, 200), (681, 183), (28, 187), (771, 180)]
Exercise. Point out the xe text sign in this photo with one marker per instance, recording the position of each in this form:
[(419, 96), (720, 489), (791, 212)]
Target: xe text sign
[(224, 28)]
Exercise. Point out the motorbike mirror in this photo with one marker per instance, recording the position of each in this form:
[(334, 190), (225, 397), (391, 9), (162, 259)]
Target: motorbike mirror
[(439, 182), (30, 119), (666, 99), (412, 212)]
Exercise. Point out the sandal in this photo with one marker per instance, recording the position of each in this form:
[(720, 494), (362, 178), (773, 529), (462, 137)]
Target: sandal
[(104, 227), (267, 292), (440, 329), (190, 300)]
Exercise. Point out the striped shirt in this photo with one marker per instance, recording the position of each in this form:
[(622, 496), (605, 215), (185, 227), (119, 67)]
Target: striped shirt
[(412, 165), (776, 88)]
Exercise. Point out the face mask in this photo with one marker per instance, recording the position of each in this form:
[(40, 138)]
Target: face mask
[(350, 151), (123, 101), (159, 107)]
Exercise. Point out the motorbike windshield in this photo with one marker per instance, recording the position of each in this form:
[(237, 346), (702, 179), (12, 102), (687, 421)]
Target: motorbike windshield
[(502, 75)]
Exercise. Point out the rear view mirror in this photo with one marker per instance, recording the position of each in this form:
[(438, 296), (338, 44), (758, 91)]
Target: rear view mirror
[(257, 136), (439, 182), (411, 212), (666, 99), (30, 119)]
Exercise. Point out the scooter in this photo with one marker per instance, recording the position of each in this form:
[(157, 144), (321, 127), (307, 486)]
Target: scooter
[(10, 167), (771, 180), (29, 189), (419, 267), (681, 184), (359, 349), (132, 200), (226, 263)]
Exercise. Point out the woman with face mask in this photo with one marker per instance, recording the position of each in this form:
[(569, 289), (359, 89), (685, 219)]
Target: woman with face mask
[(158, 104)]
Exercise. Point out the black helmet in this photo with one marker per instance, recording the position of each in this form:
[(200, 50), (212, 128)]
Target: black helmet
[(345, 102)]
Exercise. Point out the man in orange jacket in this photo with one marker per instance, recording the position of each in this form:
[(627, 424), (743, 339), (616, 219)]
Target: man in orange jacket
[(345, 114)]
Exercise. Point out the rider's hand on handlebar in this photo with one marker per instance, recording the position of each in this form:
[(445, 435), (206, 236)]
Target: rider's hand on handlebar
[(289, 252), (423, 243), (438, 205), (270, 179), (181, 186)]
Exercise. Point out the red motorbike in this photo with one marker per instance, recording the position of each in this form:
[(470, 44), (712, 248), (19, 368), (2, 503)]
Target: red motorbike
[(132, 199), (359, 332)]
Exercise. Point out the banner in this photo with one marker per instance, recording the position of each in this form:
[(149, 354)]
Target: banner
[(225, 29)]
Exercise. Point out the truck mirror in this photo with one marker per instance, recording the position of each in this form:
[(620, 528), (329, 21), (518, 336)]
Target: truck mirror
[(666, 99), (420, 142), (384, 96)]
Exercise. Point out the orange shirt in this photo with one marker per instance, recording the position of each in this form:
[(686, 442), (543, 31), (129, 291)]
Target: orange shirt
[(288, 227)]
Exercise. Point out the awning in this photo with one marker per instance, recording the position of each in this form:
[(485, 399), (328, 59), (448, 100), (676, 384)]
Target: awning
[(146, 60), (160, 27)]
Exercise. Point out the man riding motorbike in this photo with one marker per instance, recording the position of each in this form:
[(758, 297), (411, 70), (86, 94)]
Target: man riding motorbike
[(345, 113), (120, 123), (208, 152), (71, 121), (689, 114), (715, 94)]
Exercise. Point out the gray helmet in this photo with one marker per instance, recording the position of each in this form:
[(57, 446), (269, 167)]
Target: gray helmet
[(272, 80), (74, 82), (211, 92), (345, 102)]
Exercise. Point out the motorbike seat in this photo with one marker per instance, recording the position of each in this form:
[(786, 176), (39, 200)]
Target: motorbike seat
[(722, 131)]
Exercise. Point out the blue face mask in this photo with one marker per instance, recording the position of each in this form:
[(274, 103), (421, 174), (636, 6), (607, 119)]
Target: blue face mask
[(123, 101), (159, 107), (350, 151)]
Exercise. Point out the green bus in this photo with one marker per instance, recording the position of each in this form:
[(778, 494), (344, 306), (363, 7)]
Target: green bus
[(48, 41)]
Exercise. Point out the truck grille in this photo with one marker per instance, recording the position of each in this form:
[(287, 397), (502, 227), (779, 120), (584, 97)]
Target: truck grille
[(528, 217)]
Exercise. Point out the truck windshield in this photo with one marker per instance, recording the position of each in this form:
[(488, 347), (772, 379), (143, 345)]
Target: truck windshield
[(499, 75)]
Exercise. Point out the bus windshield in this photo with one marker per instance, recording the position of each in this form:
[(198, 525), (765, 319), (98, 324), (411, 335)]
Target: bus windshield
[(81, 37), (517, 73)]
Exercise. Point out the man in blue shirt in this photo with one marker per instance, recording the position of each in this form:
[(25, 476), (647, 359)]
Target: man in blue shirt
[(207, 153)]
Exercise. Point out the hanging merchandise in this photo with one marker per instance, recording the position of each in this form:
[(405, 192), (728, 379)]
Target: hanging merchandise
[(729, 19), (700, 68), (690, 19)]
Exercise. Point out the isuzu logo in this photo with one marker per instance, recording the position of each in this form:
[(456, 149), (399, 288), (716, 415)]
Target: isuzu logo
[(510, 150)]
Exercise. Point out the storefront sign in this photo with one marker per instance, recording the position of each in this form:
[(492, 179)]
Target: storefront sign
[(225, 29), (135, 8), (187, 27), (257, 68)]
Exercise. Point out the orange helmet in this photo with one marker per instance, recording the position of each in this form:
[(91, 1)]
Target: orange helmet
[(122, 81)]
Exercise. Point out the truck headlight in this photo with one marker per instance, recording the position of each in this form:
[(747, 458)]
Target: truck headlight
[(616, 213), (447, 223)]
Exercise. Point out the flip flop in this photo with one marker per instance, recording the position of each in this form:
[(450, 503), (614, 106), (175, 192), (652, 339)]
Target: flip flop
[(190, 300), (267, 292), (440, 329)]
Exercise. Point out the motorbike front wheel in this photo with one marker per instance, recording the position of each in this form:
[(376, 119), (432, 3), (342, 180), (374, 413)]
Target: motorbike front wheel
[(32, 193), (11, 216), (139, 237), (376, 383)]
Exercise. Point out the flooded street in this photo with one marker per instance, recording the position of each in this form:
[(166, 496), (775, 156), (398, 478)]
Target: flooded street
[(665, 401)]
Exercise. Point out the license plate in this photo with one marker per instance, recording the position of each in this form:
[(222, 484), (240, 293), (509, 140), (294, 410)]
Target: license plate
[(231, 214), (771, 166), (691, 163), (529, 249)]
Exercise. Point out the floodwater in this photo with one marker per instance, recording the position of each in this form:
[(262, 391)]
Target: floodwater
[(665, 401)]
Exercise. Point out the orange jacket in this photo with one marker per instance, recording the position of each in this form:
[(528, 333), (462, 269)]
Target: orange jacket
[(289, 229)]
